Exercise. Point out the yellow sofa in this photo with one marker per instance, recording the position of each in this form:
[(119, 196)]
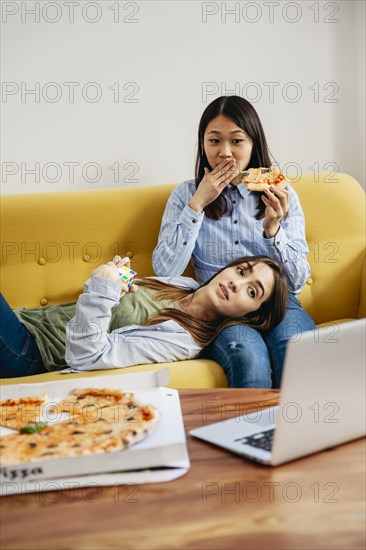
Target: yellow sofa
[(52, 241)]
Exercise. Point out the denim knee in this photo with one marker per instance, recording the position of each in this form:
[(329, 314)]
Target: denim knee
[(296, 321), (243, 354)]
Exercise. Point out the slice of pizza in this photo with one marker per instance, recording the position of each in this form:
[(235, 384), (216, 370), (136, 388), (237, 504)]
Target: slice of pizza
[(260, 179), (85, 400), (117, 428), (17, 413)]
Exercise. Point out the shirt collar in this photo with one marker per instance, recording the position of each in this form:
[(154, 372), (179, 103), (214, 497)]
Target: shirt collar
[(242, 189)]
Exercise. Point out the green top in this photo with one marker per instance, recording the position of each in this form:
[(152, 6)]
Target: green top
[(48, 325)]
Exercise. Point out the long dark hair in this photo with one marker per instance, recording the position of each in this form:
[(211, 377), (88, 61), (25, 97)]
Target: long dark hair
[(270, 313), (242, 113)]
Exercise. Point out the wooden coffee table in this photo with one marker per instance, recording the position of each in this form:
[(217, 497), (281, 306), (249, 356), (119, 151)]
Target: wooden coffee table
[(223, 502)]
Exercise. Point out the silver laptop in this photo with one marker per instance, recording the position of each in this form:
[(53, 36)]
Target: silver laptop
[(322, 401)]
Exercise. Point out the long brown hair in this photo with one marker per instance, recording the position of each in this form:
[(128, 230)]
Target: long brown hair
[(271, 312), (242, 113)]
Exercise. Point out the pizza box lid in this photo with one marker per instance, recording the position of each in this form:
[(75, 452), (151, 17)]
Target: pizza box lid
[(161, 456)]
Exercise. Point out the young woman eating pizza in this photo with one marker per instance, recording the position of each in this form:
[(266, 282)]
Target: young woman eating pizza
[(170, 319), (215, 218)]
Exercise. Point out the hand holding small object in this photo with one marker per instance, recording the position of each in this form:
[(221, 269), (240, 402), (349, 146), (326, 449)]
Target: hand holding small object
[(113, 271), (121, 262)]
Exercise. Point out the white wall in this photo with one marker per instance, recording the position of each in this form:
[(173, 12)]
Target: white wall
[(170, 59)]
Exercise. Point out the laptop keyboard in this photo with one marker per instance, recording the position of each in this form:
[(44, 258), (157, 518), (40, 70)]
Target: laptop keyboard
[(261, 440)]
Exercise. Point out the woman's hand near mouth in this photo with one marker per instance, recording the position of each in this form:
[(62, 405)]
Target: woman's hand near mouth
[(212, 184)]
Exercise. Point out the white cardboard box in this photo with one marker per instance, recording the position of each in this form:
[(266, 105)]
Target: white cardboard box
[(162, 456)]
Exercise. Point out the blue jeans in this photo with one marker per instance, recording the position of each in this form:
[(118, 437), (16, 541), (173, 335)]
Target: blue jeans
[(253, 359), (19, 354)]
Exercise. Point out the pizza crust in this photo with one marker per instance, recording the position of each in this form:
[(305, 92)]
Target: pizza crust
[(17, 413), (82, 400), (263, 186)]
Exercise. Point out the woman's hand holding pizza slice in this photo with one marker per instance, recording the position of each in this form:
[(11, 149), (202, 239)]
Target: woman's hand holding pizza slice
[(272, 184), (277, 204)]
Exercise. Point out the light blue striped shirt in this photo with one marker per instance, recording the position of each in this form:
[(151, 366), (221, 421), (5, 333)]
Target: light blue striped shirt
[(89, 346), (211, 244)]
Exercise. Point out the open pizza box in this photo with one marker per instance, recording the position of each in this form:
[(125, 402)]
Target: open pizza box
[(162, 456)]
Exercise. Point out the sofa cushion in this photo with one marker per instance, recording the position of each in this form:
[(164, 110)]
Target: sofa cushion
[(198, 373)]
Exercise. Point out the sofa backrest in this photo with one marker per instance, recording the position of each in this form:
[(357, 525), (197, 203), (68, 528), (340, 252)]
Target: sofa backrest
[(52, 241), (334, 209)]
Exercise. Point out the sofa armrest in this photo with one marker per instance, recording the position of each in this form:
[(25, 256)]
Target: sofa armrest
[(362, 306)]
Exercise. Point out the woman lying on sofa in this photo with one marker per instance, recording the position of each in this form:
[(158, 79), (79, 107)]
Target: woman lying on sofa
[(168, 319)]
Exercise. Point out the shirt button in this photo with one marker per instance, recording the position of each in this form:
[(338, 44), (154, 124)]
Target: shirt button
[(234, 202), (235, 221), (185, 242), (309, 281), (236, 242), (278, 243), (41, 261), (194, 221), (43, 302)]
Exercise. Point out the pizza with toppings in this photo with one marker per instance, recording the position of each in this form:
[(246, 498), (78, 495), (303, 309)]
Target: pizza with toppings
[(119, 422), (260, 179)]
